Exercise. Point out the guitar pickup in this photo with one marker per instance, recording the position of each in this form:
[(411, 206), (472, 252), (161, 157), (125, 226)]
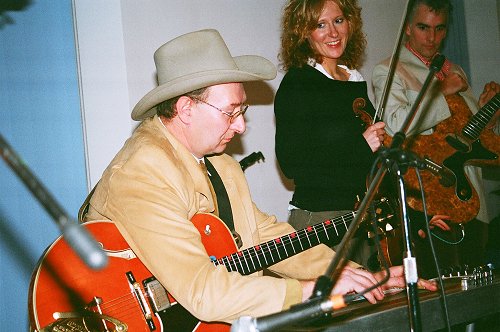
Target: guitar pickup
[(158, 296)]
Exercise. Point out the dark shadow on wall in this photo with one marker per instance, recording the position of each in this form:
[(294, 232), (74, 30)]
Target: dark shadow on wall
[(11, 5), (11, 241)]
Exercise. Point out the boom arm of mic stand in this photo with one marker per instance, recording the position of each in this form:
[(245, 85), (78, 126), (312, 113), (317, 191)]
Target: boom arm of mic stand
[(76, 236), (325, 283)]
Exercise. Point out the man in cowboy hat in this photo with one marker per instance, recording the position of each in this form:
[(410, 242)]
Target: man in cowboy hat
[(154, 187)]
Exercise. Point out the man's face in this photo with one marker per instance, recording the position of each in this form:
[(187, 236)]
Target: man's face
[(213, 130), (426, 31)]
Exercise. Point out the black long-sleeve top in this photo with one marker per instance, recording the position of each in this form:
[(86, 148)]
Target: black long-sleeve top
[(319, 142)]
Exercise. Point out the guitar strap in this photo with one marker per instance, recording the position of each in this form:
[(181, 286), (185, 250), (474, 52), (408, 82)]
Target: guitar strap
[(225, 211), (82, 212)]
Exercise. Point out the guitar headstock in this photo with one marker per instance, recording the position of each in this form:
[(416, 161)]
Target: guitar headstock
[(251, 159)]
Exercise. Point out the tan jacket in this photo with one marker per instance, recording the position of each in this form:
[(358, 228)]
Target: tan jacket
[(151, 190)]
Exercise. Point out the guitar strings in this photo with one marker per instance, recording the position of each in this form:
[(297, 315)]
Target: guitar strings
[(291, 241), (121, 306)]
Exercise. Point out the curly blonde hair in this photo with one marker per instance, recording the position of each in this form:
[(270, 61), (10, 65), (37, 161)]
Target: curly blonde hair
[(300, 19)]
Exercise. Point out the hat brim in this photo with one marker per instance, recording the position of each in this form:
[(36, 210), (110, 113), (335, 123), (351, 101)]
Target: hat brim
[(250, 68)]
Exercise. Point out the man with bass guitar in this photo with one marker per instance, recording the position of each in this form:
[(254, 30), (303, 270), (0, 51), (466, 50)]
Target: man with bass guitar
[(438, 132)]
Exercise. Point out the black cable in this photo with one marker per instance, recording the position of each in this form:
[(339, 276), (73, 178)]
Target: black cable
[(443, 301)]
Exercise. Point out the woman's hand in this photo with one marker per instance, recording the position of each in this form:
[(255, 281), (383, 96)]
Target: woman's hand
[(374, 135)]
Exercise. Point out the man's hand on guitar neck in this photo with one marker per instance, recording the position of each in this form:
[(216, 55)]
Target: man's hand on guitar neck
[(489, 91), (437, 220)]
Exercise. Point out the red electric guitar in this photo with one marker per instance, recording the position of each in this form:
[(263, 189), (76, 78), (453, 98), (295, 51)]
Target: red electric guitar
[(125, 296)]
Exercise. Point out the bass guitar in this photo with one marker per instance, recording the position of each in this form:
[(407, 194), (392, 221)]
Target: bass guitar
[(66, 295), (455, 142)]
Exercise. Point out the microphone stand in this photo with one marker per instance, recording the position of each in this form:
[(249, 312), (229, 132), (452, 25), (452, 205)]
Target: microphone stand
[(76, 236), (393, 156)]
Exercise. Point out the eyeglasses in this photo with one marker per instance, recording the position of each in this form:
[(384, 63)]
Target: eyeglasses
[(232, 116)]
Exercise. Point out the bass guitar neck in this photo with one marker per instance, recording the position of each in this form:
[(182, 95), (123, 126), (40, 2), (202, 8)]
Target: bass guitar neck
[(455, 143)]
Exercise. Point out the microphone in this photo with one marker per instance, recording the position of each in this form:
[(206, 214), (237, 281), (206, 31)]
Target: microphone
[(309, 310), (85, 246)]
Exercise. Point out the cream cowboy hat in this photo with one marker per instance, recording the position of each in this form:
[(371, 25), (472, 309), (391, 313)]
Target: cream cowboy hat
[(197, 60)]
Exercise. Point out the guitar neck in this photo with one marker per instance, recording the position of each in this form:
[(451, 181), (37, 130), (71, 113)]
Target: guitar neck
[(271, 252), (479, 120)]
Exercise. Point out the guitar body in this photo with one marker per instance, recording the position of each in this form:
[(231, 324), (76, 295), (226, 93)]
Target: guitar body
[(460, 201), (61, 283)]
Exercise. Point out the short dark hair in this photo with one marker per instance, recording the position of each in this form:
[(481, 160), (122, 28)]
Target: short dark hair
[(167, 108), (438, 6)]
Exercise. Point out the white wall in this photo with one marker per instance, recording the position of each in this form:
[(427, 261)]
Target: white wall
[(117, 40)]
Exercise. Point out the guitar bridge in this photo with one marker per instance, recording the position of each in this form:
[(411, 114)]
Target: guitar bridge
[(446, 177)]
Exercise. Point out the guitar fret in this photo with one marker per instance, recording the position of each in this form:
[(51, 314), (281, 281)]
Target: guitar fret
[(235, 261), (284, 245), (277, 251), (241, 269), (264, 255), (294, 241), (225, 262), (245, 259), (243, 263), (317, 236), (327, 222), (291, 238), (251, 259), (335, 227), (300, 241), (307, 236), (270, 251), (478, 121), (257, 255)]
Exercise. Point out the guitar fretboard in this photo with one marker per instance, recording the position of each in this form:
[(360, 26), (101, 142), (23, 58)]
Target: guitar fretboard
[(479, 120), (271, 252)]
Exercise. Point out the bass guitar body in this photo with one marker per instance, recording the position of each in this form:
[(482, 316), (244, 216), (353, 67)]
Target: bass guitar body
[(66, 295), (447, 188)]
